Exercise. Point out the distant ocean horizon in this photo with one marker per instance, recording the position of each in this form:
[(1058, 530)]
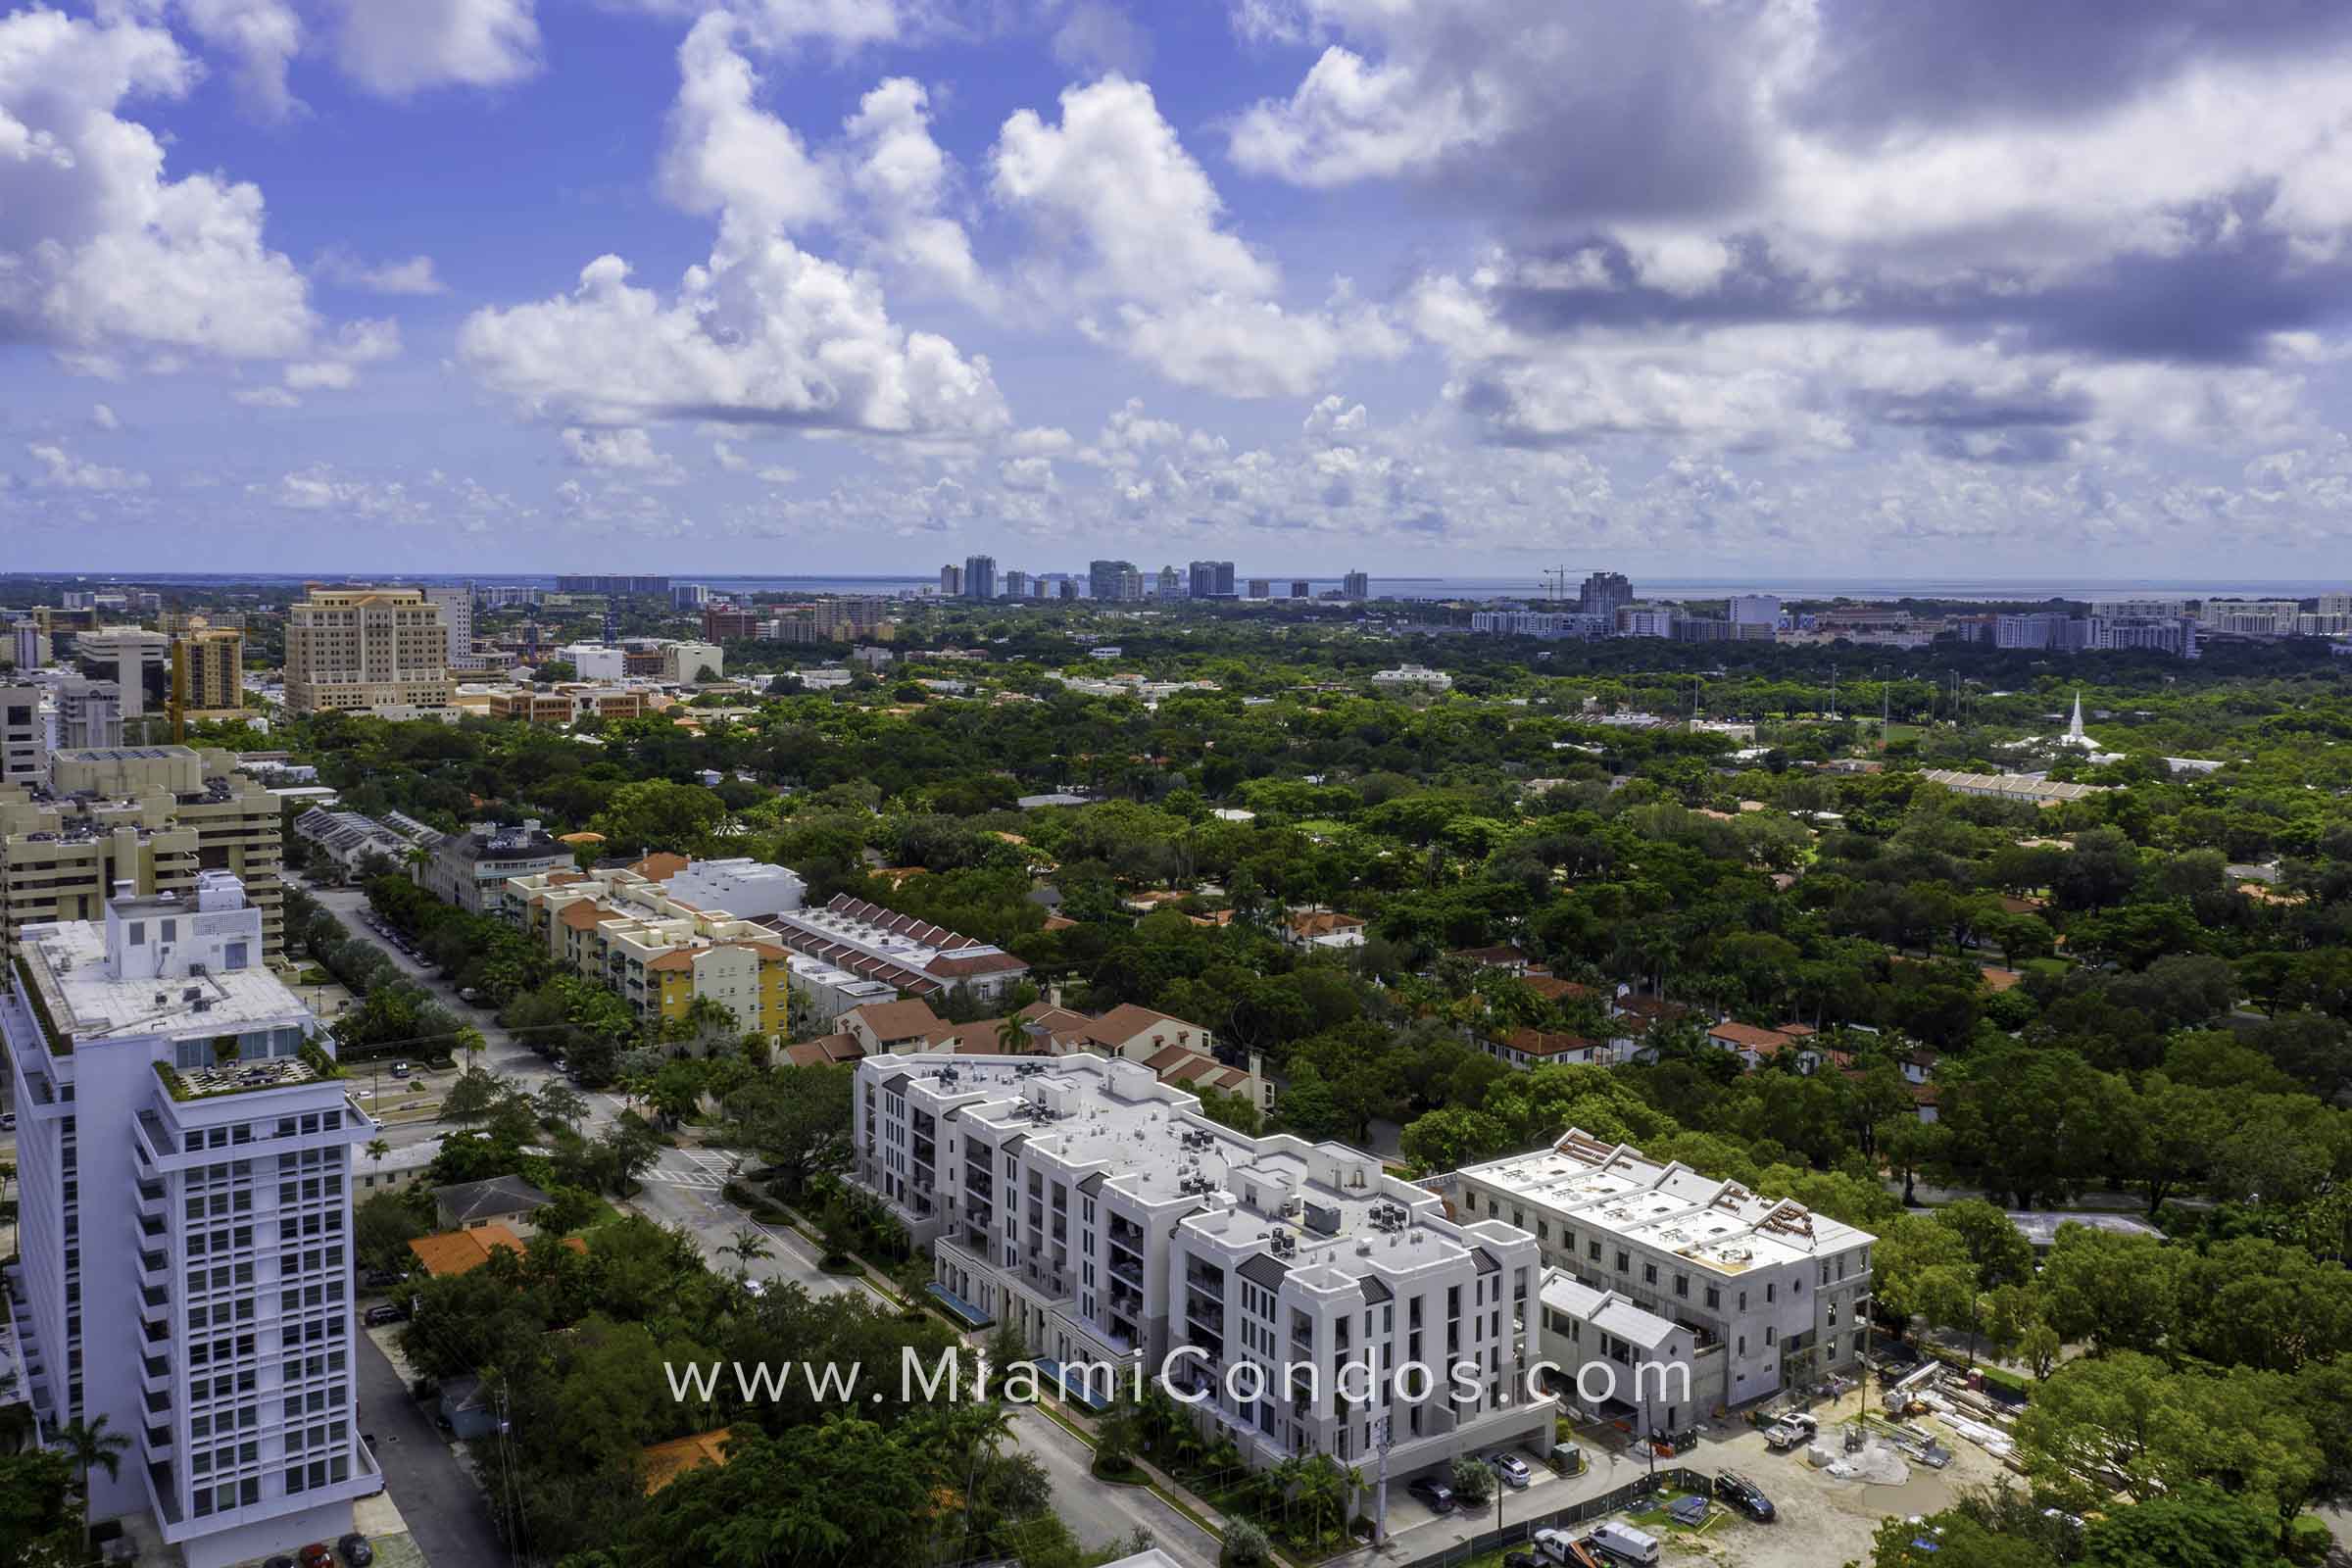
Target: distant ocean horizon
[(1881, 588)]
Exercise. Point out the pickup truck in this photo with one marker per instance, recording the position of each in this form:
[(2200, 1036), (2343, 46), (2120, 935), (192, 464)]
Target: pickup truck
[(1782, 1436)]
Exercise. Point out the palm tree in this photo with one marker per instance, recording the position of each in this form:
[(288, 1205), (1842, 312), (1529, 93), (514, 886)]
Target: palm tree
[(748, 1247), (1013, 1038), (378, 1149), (89, 1444)]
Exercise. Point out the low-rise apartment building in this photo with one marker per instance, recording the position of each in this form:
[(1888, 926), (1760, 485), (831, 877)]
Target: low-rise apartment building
[(1774, 1293), (619, 925), (1289, 1286), (472, 870), (184, 1155)]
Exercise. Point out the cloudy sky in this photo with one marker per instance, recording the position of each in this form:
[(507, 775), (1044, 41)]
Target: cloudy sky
[(1786, 287)]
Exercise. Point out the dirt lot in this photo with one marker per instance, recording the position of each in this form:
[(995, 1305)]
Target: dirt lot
[(1823, 1520)]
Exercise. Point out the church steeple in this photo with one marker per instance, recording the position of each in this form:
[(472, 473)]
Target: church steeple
[(2074, 725)]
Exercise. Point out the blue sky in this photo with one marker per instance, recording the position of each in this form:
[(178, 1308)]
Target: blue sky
[(1442, 286)]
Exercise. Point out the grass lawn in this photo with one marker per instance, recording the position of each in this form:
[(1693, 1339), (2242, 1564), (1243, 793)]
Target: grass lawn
[(1656, 1519), (605, 1214)]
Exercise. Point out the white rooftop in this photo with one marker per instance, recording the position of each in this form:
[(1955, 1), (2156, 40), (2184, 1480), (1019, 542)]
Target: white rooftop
[(1149, 1140), (1667, 1206), (69, 959), (1606, 1310)]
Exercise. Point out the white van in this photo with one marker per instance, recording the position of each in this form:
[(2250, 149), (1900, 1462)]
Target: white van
[(1625, 1543)]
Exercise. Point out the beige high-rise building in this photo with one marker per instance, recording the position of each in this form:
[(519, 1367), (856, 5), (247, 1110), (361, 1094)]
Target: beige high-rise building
[(208, 664), (382, 651), (149, 815)]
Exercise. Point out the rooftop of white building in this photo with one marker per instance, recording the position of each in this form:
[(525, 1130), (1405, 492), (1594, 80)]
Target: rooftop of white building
[(1316, 1207), (1616, 1189), (68, 962)]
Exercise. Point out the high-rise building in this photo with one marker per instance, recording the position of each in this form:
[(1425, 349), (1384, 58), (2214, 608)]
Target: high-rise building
[(729, 623), (1067, 588), (1300, 588), (1226, 587), (456, 618), (1261, 588), (1604, 593), (184, 1155), (23, 742), (1132, 587), (951, 581), (1755, 609), (150, 815), (1645, 620), (1171, 586), (1212, 579), (136, 659), (1200, 579), (89, 714), (30, 645), (979, 576), (1355, 585), (1016, 585), (688, 596), (1103, 578), (208, 670), (383, 651)]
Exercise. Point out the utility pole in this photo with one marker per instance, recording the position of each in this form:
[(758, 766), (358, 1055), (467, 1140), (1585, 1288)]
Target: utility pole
[(1380, 1487)]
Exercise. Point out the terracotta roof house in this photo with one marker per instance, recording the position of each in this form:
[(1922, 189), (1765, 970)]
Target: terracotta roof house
[(660, 867), (826, 1050), (1551, 988), (1752, 1043), (460, 1251), (881, 1026), (1305, 929), (1538, 1048)]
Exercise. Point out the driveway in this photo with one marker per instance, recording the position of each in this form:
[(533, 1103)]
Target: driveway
[(445, 1511), (1101, 1515)]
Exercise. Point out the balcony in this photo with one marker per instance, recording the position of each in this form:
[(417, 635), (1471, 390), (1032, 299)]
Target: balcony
[(1132, 1273)]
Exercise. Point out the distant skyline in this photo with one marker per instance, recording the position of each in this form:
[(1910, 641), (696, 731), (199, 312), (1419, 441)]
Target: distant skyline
[(1765, 290)]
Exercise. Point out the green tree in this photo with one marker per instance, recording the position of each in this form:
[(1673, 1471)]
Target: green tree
[(796, 1119)]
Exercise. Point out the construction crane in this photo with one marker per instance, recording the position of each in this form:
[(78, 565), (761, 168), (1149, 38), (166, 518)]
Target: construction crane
[(1555, 581)]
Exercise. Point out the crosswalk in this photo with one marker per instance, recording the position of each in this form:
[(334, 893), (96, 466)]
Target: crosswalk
[(683, 1178)]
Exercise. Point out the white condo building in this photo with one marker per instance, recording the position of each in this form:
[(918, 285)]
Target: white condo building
[(1095, 1210), (1773, 1294), (183, 1154)]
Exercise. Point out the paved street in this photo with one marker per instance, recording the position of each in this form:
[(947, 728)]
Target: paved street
[(1102, 1514), (444, 1509), (683, 1189)]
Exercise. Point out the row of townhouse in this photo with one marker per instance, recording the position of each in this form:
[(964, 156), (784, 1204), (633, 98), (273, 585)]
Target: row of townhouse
[(1178, 1051), (1309, 1298)]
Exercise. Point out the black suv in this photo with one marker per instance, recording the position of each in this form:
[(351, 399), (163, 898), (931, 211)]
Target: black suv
[(1436, 1494), (1742, 1494)]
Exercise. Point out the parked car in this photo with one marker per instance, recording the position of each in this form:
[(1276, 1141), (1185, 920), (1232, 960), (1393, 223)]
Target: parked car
[(385, 1312), (377, 1279), (282, 1560), (355, 1550), (1435, 1495), (1624, 1542), (400, 1069), (315, 1556), (1512, 1469), (1745, 1495), (8, 1121), (1520, 1559), (1782, 1436)]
